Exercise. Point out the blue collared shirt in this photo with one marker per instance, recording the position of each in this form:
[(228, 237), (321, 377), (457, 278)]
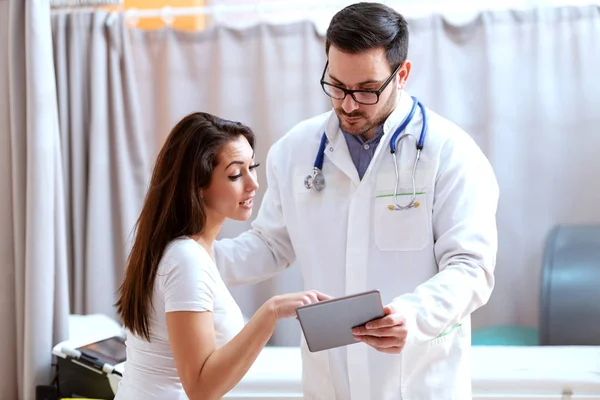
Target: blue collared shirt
[(362, 151)]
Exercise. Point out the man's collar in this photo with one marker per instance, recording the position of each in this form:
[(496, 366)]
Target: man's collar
[(376, 138)]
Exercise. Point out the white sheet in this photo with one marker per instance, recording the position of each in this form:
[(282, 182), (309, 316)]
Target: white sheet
[(499, 372), (276, 374), (543, 371)]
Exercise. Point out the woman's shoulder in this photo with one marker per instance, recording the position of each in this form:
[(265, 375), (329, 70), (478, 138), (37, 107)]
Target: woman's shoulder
[(186, 252), (187, 277)]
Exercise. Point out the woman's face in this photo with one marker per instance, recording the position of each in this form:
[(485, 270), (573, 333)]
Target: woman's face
[(233, 184)]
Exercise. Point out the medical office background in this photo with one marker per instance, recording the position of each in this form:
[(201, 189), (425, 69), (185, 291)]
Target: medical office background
[(89, 90)]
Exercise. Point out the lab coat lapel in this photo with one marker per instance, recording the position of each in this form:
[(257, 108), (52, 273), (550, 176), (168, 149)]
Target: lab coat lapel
[(337, 151)]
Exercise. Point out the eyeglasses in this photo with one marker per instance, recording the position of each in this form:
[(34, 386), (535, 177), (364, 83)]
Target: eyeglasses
[(366, 97)]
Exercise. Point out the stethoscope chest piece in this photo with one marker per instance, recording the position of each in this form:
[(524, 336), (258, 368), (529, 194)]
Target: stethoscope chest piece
[(315, 181)]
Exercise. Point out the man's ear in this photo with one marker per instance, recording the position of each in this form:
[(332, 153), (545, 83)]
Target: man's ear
[(403, 74)]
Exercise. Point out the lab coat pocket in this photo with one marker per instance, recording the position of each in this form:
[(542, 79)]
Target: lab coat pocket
[(438, 369), (401, 230)]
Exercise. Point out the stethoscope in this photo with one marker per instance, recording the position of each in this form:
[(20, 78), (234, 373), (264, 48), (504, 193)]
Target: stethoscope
[(316, 181)]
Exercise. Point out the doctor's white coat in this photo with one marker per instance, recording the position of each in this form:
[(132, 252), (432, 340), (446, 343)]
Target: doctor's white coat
[(435, 262)]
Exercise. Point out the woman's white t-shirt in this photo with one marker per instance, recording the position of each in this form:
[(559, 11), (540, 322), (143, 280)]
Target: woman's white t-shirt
[(187, 280)]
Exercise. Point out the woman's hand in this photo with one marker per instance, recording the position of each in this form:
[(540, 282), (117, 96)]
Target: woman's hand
[(284, 306)]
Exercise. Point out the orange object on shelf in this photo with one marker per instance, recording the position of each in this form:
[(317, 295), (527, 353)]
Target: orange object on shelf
[(190, 23)]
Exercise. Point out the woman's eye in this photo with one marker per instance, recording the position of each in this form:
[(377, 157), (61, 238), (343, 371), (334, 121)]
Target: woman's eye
[(238, 176)]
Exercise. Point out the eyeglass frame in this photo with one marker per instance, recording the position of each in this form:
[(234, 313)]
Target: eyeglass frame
[(352, 91)]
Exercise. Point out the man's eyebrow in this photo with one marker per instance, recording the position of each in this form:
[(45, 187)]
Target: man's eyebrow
[(361, 83)]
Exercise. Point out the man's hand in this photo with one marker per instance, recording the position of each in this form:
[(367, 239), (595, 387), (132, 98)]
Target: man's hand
[(387, 334)]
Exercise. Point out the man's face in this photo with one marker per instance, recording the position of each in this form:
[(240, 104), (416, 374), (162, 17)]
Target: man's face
[(367, 70)]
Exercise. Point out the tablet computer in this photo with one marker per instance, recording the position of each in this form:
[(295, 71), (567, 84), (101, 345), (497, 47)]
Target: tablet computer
[(328, 324)]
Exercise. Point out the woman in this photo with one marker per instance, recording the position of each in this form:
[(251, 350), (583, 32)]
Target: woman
[(186, 336)]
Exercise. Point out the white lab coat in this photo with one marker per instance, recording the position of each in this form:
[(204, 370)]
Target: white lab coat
[(435, 262)]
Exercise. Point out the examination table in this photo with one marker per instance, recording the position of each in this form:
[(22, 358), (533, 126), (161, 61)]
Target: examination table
[(499, 372)]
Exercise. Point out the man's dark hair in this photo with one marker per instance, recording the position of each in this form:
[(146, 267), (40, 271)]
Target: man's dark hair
[(364, 26)]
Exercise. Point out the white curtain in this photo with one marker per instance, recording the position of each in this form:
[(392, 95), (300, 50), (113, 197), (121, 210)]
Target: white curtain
[(34, 304), (523, 84), (244, 13), (104, 154)]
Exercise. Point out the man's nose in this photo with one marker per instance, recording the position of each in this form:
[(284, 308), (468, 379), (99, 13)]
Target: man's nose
[(349, 104)]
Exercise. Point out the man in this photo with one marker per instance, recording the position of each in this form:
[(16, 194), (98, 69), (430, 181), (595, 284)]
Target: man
[(433, 261)]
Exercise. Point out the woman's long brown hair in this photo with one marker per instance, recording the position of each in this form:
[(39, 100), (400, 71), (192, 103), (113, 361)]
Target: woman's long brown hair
[(173, 207)]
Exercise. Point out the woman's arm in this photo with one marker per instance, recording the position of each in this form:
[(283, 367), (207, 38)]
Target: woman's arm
[(208, 373)]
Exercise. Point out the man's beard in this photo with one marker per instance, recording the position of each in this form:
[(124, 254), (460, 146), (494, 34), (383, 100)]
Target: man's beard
[(366, 124)]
